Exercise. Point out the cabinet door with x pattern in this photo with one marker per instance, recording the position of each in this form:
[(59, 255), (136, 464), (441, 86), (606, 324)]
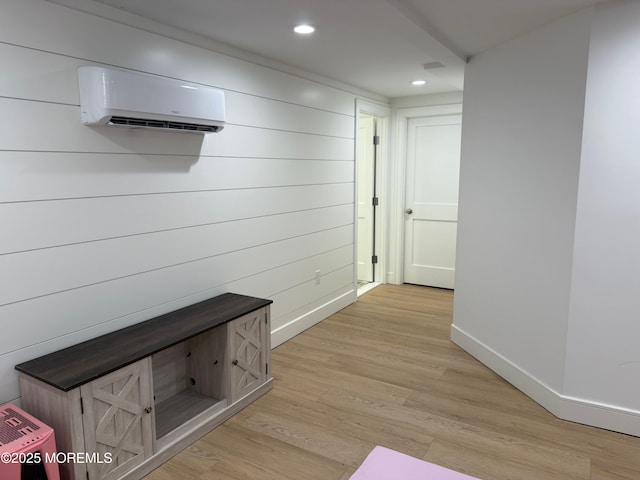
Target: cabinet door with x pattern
[(249, 350), (117, 423)]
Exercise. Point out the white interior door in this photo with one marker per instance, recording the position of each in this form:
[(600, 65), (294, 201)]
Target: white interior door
[(365, 197), (431, 204)]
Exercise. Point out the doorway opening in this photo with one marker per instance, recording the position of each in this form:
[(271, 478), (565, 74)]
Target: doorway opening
[(368, 201), (371, 195)]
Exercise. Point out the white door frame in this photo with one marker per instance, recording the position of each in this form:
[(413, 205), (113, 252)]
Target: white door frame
[(395, 262), (383, 114)]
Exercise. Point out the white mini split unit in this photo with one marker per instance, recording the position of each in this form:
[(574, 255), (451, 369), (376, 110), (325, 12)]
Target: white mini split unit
[(111, 96)]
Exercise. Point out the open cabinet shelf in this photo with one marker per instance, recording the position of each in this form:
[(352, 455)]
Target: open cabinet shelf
[(182, 407)]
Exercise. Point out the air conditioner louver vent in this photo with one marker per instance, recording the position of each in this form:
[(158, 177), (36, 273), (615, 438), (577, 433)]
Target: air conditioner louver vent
[(140, 122)]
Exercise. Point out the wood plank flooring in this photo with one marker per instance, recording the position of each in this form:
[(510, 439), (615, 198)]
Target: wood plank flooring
[(384, 372)]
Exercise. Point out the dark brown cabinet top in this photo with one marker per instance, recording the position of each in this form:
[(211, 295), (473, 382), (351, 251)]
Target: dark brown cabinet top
[(79, 364)]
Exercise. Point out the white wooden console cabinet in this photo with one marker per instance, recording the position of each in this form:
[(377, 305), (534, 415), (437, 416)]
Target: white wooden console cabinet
[(139, 395)]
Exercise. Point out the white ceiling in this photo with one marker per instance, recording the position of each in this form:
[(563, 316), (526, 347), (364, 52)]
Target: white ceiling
[(376, 45)]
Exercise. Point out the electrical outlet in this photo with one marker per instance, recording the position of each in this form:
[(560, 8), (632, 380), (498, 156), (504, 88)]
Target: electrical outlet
[(318, 277)]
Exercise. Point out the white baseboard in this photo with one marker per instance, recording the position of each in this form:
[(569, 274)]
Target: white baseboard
[(566, 407), (309, 319), (367, 288)]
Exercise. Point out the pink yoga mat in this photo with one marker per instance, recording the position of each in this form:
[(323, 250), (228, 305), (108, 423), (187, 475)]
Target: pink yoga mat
[(385, 464)]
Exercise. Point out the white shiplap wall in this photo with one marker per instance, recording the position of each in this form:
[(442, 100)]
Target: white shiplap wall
[(105, 227)]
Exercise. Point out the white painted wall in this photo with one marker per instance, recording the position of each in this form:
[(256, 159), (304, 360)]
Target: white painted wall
[(523, 107), (548, 265), (603, 354), (450, 98), (106, 227)]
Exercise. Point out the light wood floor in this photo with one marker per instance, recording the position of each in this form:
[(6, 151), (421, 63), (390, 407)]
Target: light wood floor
[(384, 372)]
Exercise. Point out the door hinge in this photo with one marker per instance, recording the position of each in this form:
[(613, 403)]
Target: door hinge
[(375, 201), (376, 139), (81, 406), (266, 368), (374, 259)]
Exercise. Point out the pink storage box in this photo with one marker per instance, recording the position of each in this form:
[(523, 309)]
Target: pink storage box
[(385, 464), (24, 438)]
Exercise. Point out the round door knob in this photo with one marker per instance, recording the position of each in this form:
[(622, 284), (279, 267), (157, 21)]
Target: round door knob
[(148, 409), (408, 211)]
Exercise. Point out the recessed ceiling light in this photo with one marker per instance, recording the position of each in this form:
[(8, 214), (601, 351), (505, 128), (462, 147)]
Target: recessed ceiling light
[(418, 82), (304, 29)]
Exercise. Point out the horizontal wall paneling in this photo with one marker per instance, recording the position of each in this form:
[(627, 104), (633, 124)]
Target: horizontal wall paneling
[(102, 307), (37, 176), (94, 262), (48, 127), (37, 225)]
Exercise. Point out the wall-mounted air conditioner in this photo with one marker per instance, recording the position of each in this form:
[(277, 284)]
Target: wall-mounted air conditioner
[(110, 96)]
